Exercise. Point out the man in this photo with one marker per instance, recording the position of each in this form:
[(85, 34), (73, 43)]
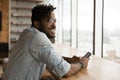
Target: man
[(33, 51)]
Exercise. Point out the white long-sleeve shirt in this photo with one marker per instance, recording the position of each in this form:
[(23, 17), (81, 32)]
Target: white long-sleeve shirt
[(30, 55)]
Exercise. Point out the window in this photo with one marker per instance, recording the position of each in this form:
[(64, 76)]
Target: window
[(75, 24), (85, 25), (66, 22), (76, 18), (111, 39)]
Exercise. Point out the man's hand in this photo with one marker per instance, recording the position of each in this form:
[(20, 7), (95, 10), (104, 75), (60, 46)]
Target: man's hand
[(74, 59), (84, 62), (77, 63)]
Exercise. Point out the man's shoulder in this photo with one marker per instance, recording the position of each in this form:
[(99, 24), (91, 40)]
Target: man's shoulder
[(38, 35), (32, 31)]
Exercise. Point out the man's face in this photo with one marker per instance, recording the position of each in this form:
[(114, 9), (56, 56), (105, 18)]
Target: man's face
[(49, 26)]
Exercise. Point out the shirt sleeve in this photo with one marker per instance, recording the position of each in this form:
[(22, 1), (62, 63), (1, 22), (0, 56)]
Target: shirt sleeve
[(43, 51), (55, 62)]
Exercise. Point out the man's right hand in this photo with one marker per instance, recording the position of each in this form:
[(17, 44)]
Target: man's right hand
[(84, 62), (77, 65)]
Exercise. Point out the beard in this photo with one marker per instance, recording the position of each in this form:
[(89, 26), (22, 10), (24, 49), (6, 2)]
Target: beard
[(48, 32)]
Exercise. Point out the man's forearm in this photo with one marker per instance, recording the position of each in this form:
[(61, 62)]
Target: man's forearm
[(75, 68)]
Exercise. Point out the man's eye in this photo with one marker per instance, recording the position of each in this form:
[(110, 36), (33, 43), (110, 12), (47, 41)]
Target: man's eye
[(52, 21)]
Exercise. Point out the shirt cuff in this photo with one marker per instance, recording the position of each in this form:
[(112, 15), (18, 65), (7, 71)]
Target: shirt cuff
[(62, 68)]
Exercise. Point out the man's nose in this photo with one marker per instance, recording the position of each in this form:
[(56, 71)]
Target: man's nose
[(53, 25)]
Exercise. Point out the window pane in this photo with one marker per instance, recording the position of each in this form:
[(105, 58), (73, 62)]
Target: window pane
[(85, 25), (111, 44), (66, 21)]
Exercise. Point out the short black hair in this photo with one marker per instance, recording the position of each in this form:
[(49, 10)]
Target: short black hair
[(41, 11)]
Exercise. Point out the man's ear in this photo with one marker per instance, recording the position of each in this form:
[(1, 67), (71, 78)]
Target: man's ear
[(36, 24)]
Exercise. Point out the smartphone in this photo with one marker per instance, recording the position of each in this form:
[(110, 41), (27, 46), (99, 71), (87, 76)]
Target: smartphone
[(87, 55)]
